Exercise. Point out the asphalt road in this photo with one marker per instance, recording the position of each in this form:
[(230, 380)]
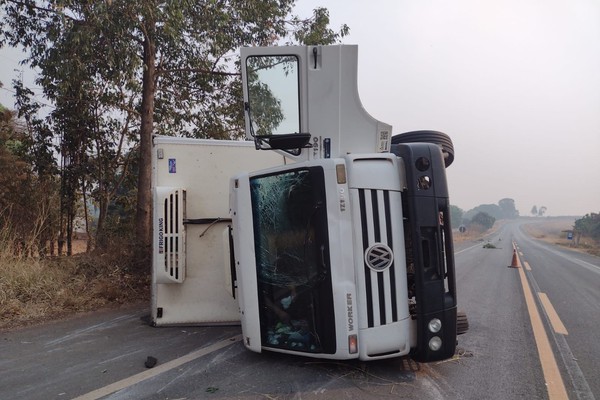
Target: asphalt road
[(571, 281), (102, 355)]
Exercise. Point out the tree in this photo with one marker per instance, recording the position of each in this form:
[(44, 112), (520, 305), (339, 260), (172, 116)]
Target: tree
[(456, 216), (315, 30), (162, 66), (508, 208), (484, 220), (534, 210), (490, 209), (588, 225), (542, 211), (11, 146), (28, 188)]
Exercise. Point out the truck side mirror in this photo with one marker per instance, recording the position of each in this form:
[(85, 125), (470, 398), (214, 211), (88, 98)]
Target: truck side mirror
[(286, 141)]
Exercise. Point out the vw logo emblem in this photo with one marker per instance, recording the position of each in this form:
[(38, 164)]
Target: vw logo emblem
[(379, 257)]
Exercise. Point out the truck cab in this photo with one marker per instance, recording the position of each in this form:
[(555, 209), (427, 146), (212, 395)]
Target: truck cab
[(344, 250)]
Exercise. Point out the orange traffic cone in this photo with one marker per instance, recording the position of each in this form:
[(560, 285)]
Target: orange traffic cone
[(515, 263)]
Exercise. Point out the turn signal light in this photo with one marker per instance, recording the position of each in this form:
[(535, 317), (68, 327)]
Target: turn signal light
[(353, 344), (340, 173)]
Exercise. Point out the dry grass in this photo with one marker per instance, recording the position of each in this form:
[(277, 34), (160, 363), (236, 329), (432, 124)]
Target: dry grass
[(474, 233), (553, 230), (34, 290), (38, 289), (458, 237)]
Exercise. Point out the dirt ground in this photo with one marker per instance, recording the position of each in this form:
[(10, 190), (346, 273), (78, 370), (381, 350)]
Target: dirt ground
[(79, 246)]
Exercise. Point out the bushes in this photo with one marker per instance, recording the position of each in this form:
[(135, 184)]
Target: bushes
[(36, 289), (484, 220), (589, 225)]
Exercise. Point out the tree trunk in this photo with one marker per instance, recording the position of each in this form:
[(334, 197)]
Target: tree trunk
[(101, 237), (144, 197), (86, 218)]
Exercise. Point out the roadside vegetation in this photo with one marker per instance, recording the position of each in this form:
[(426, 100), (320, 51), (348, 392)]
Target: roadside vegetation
[(35, 289), (483, 218), (55, 258), (75, 192)]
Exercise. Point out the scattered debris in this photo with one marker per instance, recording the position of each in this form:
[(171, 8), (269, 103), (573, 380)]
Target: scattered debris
[(460, 354), (150, 362)]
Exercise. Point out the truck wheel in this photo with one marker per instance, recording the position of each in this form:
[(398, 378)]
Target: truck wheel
[(462, 323), (435, 137)]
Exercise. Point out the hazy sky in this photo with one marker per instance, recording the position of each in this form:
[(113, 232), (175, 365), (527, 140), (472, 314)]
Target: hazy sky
[(515, 83)]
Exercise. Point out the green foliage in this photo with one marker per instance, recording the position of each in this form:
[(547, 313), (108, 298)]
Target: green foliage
[(98, 46), (118, 71), (316, 31), (505, 209), (456, 216), (589, 225), (490, 209), (11, 144), (28, 190), (508, 208), (483, 219), (40, 148)]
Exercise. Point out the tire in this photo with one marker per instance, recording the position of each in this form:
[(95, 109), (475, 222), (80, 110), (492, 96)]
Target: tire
[(462, 323), (435, 137)]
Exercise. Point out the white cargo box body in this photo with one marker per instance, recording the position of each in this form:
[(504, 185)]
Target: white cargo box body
[(190, 182)]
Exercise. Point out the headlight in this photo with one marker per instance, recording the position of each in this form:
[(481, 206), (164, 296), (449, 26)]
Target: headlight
[(435, 343), (423, 182), (435, 325)]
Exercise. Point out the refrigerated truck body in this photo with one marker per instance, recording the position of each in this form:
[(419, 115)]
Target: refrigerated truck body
[(191, 279)]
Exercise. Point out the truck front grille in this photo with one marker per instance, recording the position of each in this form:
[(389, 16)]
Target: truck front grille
[(380, 286)]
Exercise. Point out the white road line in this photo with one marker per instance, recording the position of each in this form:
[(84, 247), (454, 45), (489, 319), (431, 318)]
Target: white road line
[(150, 373), (468, 248), (548, 248), (585, 264)]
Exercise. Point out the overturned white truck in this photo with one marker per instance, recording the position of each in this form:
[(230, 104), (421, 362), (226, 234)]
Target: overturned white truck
[(340, 248)]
